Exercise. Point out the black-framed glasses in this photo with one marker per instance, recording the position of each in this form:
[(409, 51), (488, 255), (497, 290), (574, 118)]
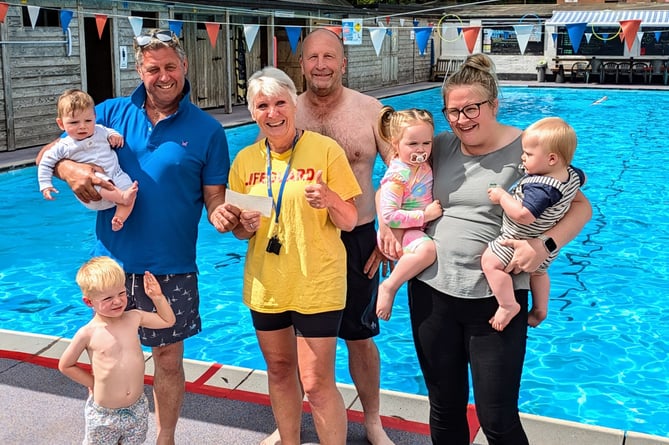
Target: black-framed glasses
[(164, 36), (471, 111)]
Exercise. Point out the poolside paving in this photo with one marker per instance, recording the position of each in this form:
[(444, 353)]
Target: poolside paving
[(225, 404)]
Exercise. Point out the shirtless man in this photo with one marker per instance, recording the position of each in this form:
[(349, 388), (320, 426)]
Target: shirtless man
[(116, 380), (350, 118)]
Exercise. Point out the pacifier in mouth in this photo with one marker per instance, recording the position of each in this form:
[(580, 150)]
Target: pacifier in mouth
[(418, 158)]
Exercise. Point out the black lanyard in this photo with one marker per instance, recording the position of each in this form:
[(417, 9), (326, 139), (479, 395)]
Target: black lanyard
[(277, 204)]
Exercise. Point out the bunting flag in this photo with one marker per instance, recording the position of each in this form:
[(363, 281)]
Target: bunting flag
[(294, 33), (100, 21), (3, 11), (588, 36), (576, 31), (136, 24), (639, 36), (250, 33), (471, 35), (555, 36), (377, 34), (422, 37), (335, 29), (658, 34), (65, 18), (523, 33), (402, 22), (175, 26), (630, 28), (33, 12), (212, 31)]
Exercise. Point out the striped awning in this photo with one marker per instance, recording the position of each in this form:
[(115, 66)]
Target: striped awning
[(609, 18)]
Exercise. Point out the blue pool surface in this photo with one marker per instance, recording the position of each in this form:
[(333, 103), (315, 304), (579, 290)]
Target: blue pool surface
[(600, 358)]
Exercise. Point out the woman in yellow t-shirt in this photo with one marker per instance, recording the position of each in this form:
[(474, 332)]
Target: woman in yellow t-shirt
[(295, 270)]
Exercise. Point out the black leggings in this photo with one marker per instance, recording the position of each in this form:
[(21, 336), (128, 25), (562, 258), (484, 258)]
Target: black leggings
[(450, 334)]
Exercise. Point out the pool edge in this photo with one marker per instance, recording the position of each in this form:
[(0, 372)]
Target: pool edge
[(401, 411)]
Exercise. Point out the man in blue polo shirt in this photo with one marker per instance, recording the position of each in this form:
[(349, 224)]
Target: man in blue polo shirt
[(179, 156)]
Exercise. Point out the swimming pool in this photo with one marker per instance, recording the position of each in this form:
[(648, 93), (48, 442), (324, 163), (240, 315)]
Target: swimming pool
[(600, 358)]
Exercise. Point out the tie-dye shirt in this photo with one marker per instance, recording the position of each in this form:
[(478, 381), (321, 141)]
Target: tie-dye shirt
[(405, 192)]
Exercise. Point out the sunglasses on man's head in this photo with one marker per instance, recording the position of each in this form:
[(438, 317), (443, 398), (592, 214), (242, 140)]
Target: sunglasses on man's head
[(163, 35)]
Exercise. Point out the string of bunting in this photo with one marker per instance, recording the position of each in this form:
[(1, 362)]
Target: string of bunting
[(350, 29)]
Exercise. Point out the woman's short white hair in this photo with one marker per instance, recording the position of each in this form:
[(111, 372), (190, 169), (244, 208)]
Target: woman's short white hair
[(270, 82)]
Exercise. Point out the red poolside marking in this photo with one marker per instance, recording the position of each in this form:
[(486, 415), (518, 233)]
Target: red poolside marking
[(198, 387)]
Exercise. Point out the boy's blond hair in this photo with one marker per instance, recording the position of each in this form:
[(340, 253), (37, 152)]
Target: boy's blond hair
[(99, 274), (554, 135), (72, 101)]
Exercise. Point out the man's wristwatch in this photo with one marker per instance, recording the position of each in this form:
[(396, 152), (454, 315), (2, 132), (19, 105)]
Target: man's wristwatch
[(549, 243)]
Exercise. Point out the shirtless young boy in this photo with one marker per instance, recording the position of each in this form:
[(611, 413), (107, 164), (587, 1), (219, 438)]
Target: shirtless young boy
[(116, 380)]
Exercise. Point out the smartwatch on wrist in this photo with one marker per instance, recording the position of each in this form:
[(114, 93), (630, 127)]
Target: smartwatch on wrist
[(549, 243)]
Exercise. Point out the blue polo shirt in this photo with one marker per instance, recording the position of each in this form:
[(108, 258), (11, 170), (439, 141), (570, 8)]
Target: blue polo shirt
[(171, 162)]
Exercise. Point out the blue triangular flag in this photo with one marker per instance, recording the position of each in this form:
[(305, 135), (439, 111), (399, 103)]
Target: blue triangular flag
[(175, 26), (65, 17), (294, 33)]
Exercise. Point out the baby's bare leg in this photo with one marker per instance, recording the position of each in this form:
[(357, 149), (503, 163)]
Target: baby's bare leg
[(407, 267), (125, 201), (540, 285), (502, 287)]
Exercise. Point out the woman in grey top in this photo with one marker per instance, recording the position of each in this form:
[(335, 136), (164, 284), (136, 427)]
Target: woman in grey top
[(450, 302)]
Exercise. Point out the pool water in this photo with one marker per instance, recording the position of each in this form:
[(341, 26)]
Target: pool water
[(600, 358)]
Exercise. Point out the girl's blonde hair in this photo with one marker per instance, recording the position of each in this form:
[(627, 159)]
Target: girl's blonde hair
[(393, 123), (72, 101), (477, 71), (555, 136), (99, 274)]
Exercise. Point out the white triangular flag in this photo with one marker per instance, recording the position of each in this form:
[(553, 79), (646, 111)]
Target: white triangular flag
[(523, 33), (250, 33), (33, 12), (136, 23), (377, 35)]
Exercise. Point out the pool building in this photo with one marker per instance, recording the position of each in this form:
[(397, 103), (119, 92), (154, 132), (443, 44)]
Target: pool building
[(51, 45)]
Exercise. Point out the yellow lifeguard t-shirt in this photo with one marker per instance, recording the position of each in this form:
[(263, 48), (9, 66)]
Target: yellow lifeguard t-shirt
[(309, 274)]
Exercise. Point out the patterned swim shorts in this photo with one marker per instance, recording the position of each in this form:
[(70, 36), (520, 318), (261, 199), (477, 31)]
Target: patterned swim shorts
[(107, 426)]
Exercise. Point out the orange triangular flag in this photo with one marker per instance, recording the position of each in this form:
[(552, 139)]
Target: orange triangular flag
[(335, 29), (3, 11), (471, 35), (630, 28), (212, 30), (100, 21)]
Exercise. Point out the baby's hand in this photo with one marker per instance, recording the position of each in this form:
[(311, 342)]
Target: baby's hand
[(433, 210), (151, 286), (115, 140), (495, 194), (47, 193)]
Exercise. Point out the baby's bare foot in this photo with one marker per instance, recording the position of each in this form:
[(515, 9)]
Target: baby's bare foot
[(536, 316), (129, 195), (503, 316), (384, 302), (117, 223)]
